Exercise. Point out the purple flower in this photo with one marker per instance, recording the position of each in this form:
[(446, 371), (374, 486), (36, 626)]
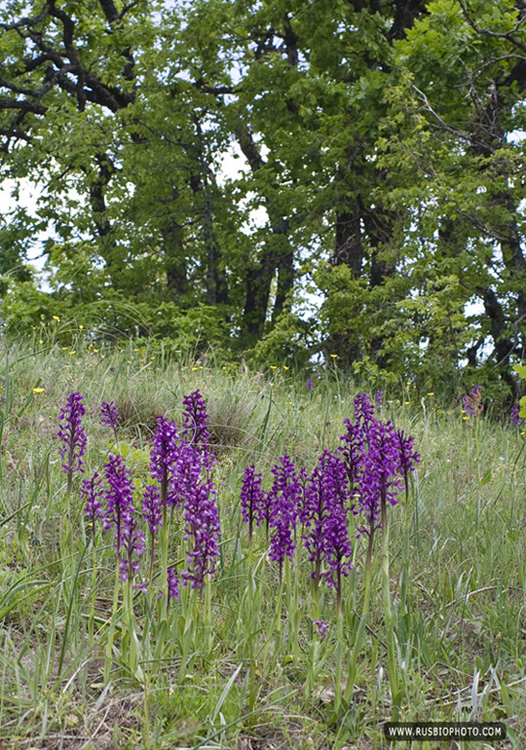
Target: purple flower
[(173, 584), (195, 419), (252, 498), (72, 436), (152, 511), (133, 545), (378, 397), (92, 490), (265, 512), (322, 628), (473, 403), (110, 416), (129, 539), (407, 456), (352, 451), (326, 493), (186, 474), (316, 507), (337, 549), (119, 498), (309, 384), (363, 411), (376, 458), (203, 530), (379, 482), (515, 416), (285, 496), (163, 459)]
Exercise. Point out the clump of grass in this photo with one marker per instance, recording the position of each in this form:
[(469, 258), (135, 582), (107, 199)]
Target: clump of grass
[(234, 411)]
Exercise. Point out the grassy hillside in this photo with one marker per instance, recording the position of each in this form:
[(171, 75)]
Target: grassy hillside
[(260, 656)]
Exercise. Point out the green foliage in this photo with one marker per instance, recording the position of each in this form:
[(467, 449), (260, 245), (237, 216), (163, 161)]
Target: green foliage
[(290, 341), (377, 144)]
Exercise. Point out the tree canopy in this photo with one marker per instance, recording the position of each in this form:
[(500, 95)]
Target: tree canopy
[(381, 148)]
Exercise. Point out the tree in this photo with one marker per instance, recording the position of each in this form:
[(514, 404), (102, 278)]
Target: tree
[(459, 164), (379, 150), (123, 150)]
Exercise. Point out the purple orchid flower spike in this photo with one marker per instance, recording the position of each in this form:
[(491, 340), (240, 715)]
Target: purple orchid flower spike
[(173, 584), (252, 499), (325, 516), (473, 403), (152, 508), (119, 499), (338, 550), (322, 627), (352, 451), (203, 531), (133, 546), (515, 416), (110, 416), (164, 458), (195, 420), (408, 457), (363, 411), (72, 436), (92, 491), (285, 497), (129, 538), (382, 465)]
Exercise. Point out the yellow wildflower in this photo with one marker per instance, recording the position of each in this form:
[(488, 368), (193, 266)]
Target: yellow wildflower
[(55, 317), (81, 327), (38, 390)]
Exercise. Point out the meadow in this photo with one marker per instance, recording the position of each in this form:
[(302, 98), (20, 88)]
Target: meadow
[(200, 626)]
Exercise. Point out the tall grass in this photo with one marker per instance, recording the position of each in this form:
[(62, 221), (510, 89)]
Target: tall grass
[(243, 663)]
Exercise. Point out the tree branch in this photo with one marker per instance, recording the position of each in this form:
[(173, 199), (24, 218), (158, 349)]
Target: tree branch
[(510, 35), (26, 21)]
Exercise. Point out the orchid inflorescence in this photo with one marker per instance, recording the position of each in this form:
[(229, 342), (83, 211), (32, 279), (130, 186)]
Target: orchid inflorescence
[(180, 464), (473, 402), (515, 414), (72, 436), (110, 416), (363, 477)]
